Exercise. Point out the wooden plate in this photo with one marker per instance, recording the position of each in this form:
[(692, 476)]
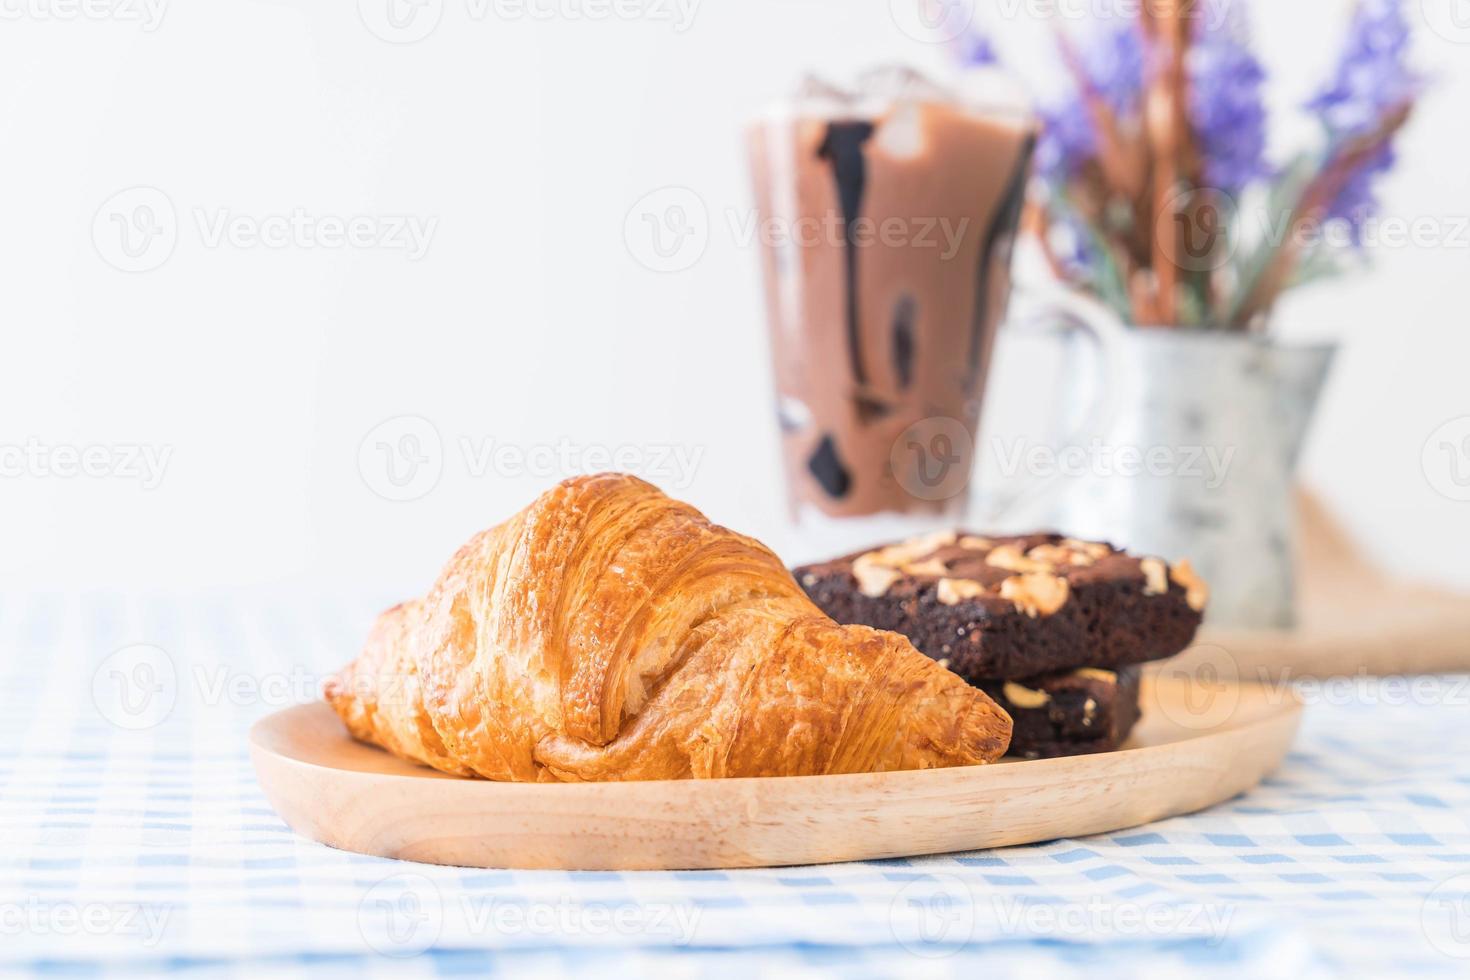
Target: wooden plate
[(1198, 744)]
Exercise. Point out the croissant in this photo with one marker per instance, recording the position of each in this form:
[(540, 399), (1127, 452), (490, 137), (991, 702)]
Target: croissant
[(608, 632)]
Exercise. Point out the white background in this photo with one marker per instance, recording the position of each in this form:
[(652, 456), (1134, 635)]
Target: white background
[(528, 321)]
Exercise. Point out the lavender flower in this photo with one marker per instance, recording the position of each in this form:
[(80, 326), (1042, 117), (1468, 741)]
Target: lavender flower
[(1066, 141), (1228, 113), (1225, 99), (1372, 73), (1113, 61), (974, 49), (1372, 79)]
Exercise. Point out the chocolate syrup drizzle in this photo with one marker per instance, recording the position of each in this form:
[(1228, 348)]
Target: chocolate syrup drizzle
[(1002, 226), (827, 468), (905, 340), (843, 146)]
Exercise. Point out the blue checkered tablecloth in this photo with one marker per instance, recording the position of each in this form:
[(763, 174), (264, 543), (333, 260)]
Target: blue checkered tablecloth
[(133, 838)]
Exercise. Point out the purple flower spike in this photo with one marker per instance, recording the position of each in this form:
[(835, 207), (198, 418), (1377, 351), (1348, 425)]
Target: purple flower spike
[(975, 50), (1372, 74), (1113, 61), (1225, 99), (1372, 79)]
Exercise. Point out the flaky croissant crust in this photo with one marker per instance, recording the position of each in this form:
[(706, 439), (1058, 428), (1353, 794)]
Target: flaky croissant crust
[(608, 632)]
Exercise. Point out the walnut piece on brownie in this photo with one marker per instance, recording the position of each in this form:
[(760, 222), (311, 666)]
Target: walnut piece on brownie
[(1014, 606)]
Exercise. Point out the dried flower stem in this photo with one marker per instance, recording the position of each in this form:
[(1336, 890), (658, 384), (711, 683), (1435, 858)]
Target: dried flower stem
[(1143, 294), (1121, 169), (1033, 222), (1163, 115), (1315, 199)]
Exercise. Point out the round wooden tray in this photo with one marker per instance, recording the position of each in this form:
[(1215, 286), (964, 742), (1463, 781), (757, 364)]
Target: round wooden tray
[(1198, 744)]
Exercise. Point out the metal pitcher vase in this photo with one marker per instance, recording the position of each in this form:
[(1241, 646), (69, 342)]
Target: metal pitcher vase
[(1187, 447)]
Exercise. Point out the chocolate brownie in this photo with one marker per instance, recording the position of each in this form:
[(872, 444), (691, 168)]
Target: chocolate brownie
[(1070, 713), (1015, 606)]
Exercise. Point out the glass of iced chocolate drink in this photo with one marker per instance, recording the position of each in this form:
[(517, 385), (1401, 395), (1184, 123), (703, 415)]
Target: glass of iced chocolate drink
[(886, 217)]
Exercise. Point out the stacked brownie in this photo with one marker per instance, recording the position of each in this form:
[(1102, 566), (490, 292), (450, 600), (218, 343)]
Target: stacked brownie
[(1052, 628)]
